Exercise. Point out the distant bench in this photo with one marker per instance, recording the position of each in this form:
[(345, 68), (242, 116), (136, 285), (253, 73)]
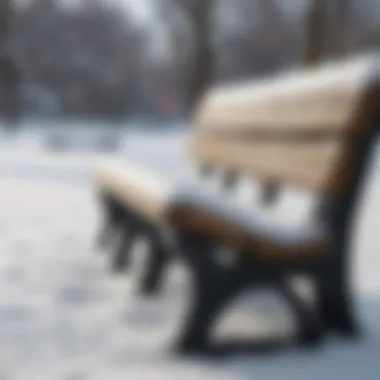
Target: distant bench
[(311, 129)]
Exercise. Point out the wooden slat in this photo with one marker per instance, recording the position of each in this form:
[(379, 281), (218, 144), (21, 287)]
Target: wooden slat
[(323, 100), (309, 165), (130, 185)]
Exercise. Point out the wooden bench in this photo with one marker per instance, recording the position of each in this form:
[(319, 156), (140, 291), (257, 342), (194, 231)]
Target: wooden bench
[(311, 130)]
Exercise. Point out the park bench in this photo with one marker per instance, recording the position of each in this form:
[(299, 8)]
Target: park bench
[(313, 130)]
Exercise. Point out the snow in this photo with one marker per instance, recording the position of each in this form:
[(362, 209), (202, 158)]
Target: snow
[(63, 315)]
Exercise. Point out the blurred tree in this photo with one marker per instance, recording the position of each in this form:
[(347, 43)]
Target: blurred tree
[(315, 23), (203, 61), (271, 13), (9, 74), (88, 58), (5, 20), (281, 37), (328, 33), (340, 21), (96, 49), (199, 15)]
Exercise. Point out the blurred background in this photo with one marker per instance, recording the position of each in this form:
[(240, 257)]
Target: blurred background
[(84, 80), (119, 60)]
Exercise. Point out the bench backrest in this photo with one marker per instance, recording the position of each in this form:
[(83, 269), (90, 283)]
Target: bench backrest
[(305, 129)]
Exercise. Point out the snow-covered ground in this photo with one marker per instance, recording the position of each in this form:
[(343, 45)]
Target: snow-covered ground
[(63, 315)]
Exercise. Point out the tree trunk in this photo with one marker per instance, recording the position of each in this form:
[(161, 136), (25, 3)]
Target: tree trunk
[(314, 45), (200, 75), (340, 12), (5, 19), (9, 75)]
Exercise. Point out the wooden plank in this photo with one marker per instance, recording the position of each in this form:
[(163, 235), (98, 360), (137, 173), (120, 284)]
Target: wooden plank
[(323, 100), (138, 190)]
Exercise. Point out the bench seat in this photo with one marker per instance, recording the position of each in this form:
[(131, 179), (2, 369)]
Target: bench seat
[(190, 206)]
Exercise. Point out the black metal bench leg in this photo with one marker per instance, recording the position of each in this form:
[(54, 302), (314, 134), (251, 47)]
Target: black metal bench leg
[(310, 327), (110, 220), (335, 303), (213, 288), (208, 302), (122, 256), (157, 261), (105, 232)]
